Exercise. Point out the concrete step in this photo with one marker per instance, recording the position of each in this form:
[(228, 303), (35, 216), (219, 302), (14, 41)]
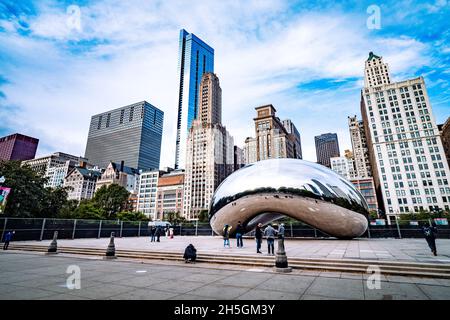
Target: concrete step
[(347, 265)]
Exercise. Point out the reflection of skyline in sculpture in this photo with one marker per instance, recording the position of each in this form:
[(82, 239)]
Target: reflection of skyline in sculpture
[(268, 190)]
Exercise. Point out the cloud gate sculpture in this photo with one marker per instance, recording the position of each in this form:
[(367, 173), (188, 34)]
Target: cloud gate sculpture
[(267, 190)]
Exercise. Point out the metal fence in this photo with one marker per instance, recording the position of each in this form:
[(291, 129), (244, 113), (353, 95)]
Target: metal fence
[(43, 229)]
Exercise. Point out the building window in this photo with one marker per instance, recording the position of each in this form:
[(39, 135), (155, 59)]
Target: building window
[(99, 124)]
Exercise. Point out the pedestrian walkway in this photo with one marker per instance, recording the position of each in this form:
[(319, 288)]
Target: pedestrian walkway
[(35, 276), (411, 250)]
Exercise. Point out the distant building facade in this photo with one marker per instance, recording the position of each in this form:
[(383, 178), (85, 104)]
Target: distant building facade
[(406, 151), (55, 167), (272, 139), (250, 150), (359, 146), (195, 58), (445, 134), (239, 159), (170, 194), (147, 191), (81, 182), (118, 173), (295, 138), (131, 134), (209, 151), (367, 188), (18, 147), (327, 147), (344, 166)]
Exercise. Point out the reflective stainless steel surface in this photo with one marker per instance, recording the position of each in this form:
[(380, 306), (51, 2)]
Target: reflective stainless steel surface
[(268, 190)]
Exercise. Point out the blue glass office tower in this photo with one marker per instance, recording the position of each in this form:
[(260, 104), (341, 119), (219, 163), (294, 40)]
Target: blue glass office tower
[(194, 59)]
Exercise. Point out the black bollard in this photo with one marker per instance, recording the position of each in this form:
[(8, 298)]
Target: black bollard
[(281, 262), (53, 247), (111, 250)]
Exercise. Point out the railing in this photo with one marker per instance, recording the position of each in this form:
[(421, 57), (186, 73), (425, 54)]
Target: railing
[(43, 229)]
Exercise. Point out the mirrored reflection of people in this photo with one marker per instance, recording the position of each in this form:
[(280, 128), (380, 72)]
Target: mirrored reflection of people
[(7, 239), (190, 254), (239, 234), (226, 235), (270, 234), (430, 236), (258, 237)]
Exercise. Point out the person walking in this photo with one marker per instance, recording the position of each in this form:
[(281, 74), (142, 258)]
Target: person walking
[(239, 233), (8, 237), (171, 233), (258, 237), (430, 236), (270, 233), (158, 233), (226, 235), (281, 231)]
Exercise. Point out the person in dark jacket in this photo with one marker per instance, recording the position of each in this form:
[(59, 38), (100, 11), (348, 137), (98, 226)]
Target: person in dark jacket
[(152, 233), (258, 237), (190, 254), (430, 236), (270, 233), (226, 235), (8, 237), (239, 233), (158, 233)]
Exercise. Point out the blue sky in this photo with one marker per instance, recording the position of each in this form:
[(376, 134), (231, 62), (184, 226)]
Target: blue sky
[(304, 57)]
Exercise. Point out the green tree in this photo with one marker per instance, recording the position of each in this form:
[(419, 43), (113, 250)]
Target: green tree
[(110, 199), (132, 216), (28, 195), (69, 209), (54, 200), (203, 216), (88, 210), (173, 217)]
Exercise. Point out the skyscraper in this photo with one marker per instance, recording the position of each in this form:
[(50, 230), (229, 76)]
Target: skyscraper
[(445, 134), (295, 137), (327, 146), (272, 138), (195, 58), (18, 147), (406, 152), (210, 151), (359, 146), (376, 71), (131, 134)]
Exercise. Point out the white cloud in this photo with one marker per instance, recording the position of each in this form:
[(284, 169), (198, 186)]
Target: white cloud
[(263, 52)]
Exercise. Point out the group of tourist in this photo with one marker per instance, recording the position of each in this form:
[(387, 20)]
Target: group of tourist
[(269, 232), (157, 231)]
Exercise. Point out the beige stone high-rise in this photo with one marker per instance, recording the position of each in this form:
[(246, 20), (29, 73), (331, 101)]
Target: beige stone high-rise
[(209, 150), (272, 138), (210, 99), (376, 72), (405, 149), (359, 146)]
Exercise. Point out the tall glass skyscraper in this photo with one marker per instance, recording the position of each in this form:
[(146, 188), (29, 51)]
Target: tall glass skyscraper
[(327, 146), (194, 59), (131, 134)]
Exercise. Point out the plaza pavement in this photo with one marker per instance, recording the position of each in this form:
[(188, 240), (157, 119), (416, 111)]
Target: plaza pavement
[(411, 250), (35, 276)]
